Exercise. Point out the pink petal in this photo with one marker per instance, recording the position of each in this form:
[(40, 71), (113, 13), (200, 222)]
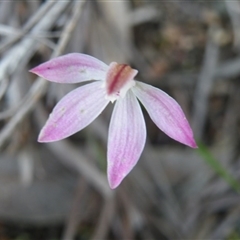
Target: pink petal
[(74, 112), (165, 113), (117, 76), (72, 68), (126, 140)]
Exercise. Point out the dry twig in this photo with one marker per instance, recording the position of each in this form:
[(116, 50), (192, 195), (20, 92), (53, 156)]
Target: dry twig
[(39, 87), (204, 85)]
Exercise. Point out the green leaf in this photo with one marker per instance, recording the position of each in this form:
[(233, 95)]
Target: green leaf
[(217, 167)]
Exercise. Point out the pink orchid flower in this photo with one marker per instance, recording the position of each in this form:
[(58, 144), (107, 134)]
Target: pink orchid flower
[(127, 131)]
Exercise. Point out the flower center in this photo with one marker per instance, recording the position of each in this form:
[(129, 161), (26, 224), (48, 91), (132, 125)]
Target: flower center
[(119, 79)]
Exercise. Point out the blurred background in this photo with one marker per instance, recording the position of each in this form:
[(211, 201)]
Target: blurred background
[(191, 50)]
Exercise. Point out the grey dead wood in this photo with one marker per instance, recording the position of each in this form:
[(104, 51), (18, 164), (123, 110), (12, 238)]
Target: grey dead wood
[(24, 50), (74, 217), (8, 30), (80, 35), (147, 196), (30, 24), (223, 229), (233, 9), (8, 66), (134, 215), (163, 226), (163, 183), (116, 14), (223, 72), (128, 232), (26, 167), (230, 119), (18, 87), (15, 55), (228, 69), (195, 10), (204, 85), (222, 203), (105, 220), (43, 200), (203, 228), (143, 14), (6, 8), (3, 87)]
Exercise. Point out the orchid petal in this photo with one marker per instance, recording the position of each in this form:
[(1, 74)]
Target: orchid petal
[(165, 113), (126, 140), (72, 68), (74, 112)]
